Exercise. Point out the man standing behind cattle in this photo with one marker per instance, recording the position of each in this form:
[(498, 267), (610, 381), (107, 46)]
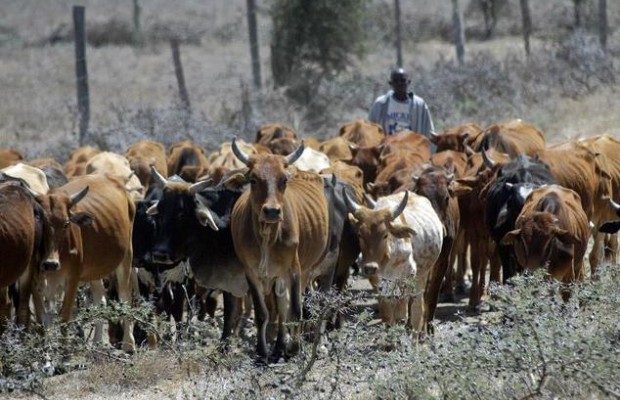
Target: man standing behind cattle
[(400, 109)]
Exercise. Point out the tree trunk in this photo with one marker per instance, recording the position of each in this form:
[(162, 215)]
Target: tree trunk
[(81, 71), (136, 34), (399, 44), (527, 25), (602, 23), (253, 33), (578, 9), (459, 32)]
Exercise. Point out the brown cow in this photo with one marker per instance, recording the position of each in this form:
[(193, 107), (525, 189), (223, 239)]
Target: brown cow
[(280, 233), (363, 133), (101, 247), (551, 232), (512, 137), (268, 132), (337, 149), (76, 165), (607, 149), (457, 138), (188, 160), (142, 155)]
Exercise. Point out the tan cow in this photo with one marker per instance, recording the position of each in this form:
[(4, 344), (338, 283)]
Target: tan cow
[(188, 160), (76, 165), (100, 247), (280, 233), (512, 137), (116, 165), (142, 155)]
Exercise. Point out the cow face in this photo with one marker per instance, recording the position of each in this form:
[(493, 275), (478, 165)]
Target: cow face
[(378, 236), (539, 239), (178, 209), (268, 176), (56, 207)]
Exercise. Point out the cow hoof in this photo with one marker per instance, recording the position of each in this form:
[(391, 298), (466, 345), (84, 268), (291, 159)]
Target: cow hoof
[(129, 348)]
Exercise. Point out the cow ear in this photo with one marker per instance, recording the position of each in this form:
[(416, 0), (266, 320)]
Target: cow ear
[(401, 231), (235, 181), (510, 237), (354, 221), (153, 210), (81, 218), (566, 236)]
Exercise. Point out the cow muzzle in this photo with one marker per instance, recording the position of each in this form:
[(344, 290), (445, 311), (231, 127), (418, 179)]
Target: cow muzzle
[(50, 265), (271, 214), (370, 269), (161, 258)]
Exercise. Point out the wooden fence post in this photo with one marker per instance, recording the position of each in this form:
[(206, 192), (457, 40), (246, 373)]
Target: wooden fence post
[(137, 33), (178, 70), (253, 33), (399, 42), (527, 25), (602, 23), (80, 71), (459, 32)]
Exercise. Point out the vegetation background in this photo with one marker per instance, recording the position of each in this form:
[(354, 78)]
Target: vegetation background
[(532, 346)]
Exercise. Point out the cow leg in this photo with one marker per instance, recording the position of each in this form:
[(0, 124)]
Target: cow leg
[(437, 274), (5, 308), (596, 253), (611, 248), (288, 299), (261, 315), (26, 287), (232, 312), (123, 279), (477, 262), (418, 314), (98, 292), (71, 287)]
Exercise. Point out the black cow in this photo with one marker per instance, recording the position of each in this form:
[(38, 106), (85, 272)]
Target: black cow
[(505, 196), (193, 222), (343, 244)]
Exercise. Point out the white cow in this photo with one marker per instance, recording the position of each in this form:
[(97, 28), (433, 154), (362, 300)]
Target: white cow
[(400, 238)]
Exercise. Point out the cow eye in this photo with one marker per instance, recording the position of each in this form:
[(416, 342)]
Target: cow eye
[(252, 180), (66, 223)]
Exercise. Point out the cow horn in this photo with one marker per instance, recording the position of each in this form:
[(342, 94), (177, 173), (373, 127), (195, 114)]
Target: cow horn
[(294, 156), (401, 207), (468, 150), (352, 205), (157, 177), (244, 158), (370, 202), (199, 186), (75, 197), (433, 136), (206, 213), (615, 206), (488, 161)]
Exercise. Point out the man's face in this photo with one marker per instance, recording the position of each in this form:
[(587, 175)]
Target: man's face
[(399, 83)]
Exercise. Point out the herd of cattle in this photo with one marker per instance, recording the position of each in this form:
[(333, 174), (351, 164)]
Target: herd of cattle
[(263, 223)]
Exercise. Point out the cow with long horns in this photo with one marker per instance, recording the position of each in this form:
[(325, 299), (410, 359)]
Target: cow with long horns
[(280, 234)]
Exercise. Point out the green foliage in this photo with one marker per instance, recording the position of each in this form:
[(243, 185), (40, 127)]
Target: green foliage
[(313, 40)]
